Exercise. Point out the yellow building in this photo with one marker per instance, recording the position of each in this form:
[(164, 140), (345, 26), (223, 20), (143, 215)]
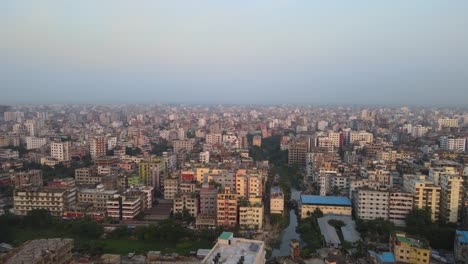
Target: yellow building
[(409, 250), (340, 205), (251, 217), (452, 197), (249, 184), (257, 140), (150, 171), (200, 172), (276, 201), (226, 208), (426, 194)]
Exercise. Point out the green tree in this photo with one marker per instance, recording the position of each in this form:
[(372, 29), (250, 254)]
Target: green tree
[(38, 218)]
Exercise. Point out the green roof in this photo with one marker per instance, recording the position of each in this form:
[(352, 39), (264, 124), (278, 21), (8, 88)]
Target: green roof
[(225, 235), (405, 240)]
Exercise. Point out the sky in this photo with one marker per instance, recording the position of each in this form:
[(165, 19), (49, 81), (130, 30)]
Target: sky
[(242, 51)]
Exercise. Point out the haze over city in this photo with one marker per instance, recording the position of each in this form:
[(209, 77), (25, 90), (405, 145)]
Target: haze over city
[(358, 52)]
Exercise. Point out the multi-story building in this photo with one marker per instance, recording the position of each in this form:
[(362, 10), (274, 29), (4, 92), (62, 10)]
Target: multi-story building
[(27, 178), (226, 210), (97, 198), (336, 138), (97, 147), (426, 195), (214, 138), (41, 251), (360, 136), (186, 145), (87, 176), (460, 248), (251, 217), (371, 204), (276, 201), (451, 197), (453, 143), (409, 250), (208, 198), (236, 250), (297, 151), (435, 173), (400, 205), (257, 141), (447, 122), (419, 131), (186, 201), (249, 184), (35, 142), (61, 150), (327, 204), (124, 207), (171, 188), (204, 157), (150, 171), (55, 200)]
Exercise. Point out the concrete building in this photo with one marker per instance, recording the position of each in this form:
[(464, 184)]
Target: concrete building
[(186, 145), (435, 173), (214, 138), (426, 195), (171, 188), (371, 204), (360, 136), (447, 122), (208, 199), (204, 157), (41, 251), (150, 171), (226, 210), (55, 200), (61, 151), (453, 143), (251, 216), (409, 250), (460, 248), (419, 131), (249, 184), (123, 207), (35, 142), (257, 141), (27, 178), (87, 176), (297, 151), (97, 147), (186, 201), (230, 250), (276, 201), (451, 198), (96, 197), (400, 205), (339, 205)]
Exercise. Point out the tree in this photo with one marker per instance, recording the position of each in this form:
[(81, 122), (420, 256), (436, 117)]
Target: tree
[(86, 228), (38, 218), (418, 221)]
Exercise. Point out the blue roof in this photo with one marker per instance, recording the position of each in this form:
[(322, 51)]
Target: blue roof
[(385, 257), (325, 200), (462, 236)]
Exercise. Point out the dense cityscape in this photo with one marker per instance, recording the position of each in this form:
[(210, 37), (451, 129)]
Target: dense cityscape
[(233, 184)]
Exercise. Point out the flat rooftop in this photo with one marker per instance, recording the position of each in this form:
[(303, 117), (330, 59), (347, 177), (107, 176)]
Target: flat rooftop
[(232, 253), (325, 200), (32, 252)]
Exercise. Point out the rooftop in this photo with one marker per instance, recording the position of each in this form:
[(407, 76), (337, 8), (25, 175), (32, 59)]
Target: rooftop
[(32, 251), (462, 236), (231, 253), (385, 257), (325, 200)]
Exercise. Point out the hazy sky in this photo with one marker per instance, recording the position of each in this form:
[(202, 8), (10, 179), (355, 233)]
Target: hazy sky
[(234, 51)]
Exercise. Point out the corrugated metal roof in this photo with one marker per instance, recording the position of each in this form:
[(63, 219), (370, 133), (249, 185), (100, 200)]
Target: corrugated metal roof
[(325, 200)]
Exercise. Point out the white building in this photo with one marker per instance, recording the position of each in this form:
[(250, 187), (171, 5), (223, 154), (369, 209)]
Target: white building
[(452, 143), (360, 136), (205, 157), (35, 143), (451, 197), (61, 150), (447, 122)]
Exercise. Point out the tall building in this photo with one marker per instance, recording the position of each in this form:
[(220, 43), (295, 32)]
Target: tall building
[(97, 147), (35, 143), (419, 131), (371, 204), (186, 201), (297, 151), (400, 205), (276, 201), (257, 141), (226, 209), (55, 200), (451, 198), (453, 144), (426, 195), (447, 122), (208, 197), (251, 216), (61, 150), (249, 184)]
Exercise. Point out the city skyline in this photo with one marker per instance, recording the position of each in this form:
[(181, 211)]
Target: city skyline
[(257, 52)]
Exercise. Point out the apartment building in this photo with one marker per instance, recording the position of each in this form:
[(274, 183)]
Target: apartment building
[(27, 178), (276, 201), (35, 142), (360, 136), (204, 157), (257, 141), (409, 250), (426, 195), (435, 173), (297, 151), (214, 138), (61, 151), (186, 145), (251, 216), (87, 176), (171, 188), (97, 147), (97, 197), (371, 204), (226, 210), (187, 201), (55, 200), (123, 207), (150, 171), (447, 122), (451, 198), (249, 184), (400, 205), (453, 143)]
